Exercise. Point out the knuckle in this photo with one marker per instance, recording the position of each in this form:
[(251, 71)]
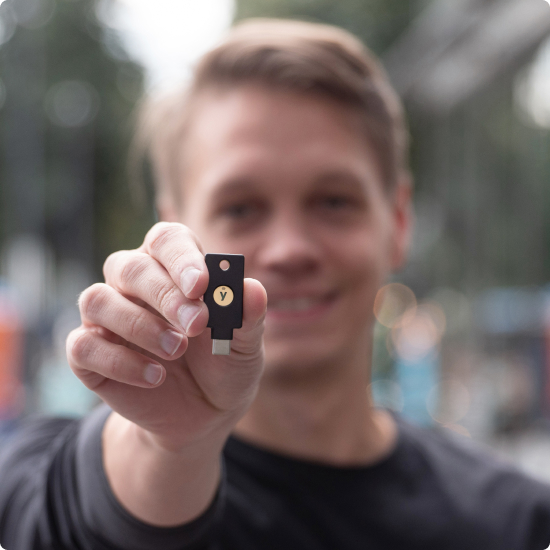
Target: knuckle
[(196, 241), (178, 261), (113, 366), (110, 263), (167, 296), (93, 300), (161, 233), (133, 268), (79, 346), (187, 244), (136, 324)]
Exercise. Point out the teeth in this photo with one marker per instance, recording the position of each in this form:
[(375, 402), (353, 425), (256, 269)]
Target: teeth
[(298, 304)]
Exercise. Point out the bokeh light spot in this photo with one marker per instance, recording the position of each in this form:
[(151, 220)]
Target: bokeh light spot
[(456, 307), (435, 312), (72, 103), (417, 337), (448, 402), (392, 303), (33, 14)]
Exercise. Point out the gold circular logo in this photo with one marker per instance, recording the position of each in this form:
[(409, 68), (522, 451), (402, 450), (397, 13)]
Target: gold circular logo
[(223, 296)]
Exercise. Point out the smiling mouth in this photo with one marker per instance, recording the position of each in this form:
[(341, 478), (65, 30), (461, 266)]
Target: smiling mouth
[(299, 306)]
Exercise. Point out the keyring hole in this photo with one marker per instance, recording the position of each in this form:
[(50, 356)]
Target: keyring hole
[(224, 265)]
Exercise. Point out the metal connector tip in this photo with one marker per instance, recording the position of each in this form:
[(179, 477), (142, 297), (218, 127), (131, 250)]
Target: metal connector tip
[(221, 347)]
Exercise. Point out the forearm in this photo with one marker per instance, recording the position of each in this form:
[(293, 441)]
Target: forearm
[(159, 487)]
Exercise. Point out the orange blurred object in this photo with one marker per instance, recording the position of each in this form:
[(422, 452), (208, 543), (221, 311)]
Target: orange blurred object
[(11, 356)]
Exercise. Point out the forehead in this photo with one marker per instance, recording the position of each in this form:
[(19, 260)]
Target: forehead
[(254, 131)]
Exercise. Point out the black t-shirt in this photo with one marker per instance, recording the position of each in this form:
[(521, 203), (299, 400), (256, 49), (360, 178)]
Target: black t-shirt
[(433, 492)]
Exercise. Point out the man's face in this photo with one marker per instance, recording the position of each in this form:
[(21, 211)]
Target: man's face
[(289, 181)]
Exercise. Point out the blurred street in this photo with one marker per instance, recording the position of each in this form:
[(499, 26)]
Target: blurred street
[(463, 332)]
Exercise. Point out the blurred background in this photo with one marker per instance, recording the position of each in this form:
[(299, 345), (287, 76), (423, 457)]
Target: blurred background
[(463, 333)]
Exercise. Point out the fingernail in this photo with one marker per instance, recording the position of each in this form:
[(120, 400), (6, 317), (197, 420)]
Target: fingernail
[(187, 314), (189, 279), (170, 341), (152, 374)]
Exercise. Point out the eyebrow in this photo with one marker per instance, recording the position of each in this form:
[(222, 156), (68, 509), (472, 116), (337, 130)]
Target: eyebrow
[(233, 186), (340, 177), (245, 183)]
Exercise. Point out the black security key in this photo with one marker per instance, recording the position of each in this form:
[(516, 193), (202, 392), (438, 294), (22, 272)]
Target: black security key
[(224, 298)]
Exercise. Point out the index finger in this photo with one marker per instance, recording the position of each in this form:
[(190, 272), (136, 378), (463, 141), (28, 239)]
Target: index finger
[(179, 251)]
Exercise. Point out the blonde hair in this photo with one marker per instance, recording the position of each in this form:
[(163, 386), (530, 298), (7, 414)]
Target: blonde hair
[(285, 55)]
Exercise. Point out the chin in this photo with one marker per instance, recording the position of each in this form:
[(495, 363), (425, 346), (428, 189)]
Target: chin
[(319, 349), (296, 358)]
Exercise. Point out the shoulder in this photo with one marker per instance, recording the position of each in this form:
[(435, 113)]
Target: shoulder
[(32, 437), (26, 454), (472, 482), (443, 452)]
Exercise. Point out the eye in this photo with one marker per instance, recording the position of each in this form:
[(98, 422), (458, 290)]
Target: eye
[(337, 206), (239, 210), (335, 202), (242, 213)]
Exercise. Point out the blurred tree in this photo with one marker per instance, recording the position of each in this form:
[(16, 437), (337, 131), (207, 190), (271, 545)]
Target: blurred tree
[(483, 206), (377, 22), (481, 168), (66, 122)]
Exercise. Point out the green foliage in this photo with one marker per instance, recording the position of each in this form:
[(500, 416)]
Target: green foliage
[(376, 22), (481, 168), (82, 168)]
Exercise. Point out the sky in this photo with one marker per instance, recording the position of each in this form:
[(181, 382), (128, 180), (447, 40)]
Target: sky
[(167, 36)]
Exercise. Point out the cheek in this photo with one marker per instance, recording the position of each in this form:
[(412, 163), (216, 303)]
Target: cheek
[(362, 263), (365, 255)]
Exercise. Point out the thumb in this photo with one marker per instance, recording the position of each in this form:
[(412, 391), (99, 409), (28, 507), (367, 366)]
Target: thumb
[(248, 339)]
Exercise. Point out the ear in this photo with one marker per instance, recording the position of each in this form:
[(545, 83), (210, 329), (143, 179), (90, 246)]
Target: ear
[(403, 220)]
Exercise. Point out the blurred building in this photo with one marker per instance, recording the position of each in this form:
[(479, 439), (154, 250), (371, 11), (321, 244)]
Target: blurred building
[(66, 98), (475, 79)]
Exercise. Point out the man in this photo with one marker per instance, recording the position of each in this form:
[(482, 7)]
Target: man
[(290, 148)]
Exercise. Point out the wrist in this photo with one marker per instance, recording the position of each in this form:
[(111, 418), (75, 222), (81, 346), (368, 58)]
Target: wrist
[(156, 484), (176, 446)]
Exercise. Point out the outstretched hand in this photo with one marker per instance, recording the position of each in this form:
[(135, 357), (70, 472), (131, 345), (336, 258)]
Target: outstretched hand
[(143, 348)]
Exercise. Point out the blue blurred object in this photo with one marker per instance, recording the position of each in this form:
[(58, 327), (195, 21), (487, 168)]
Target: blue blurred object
[(417, 377)]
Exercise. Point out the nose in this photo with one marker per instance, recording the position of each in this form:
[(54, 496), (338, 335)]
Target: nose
[(289, 248)]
